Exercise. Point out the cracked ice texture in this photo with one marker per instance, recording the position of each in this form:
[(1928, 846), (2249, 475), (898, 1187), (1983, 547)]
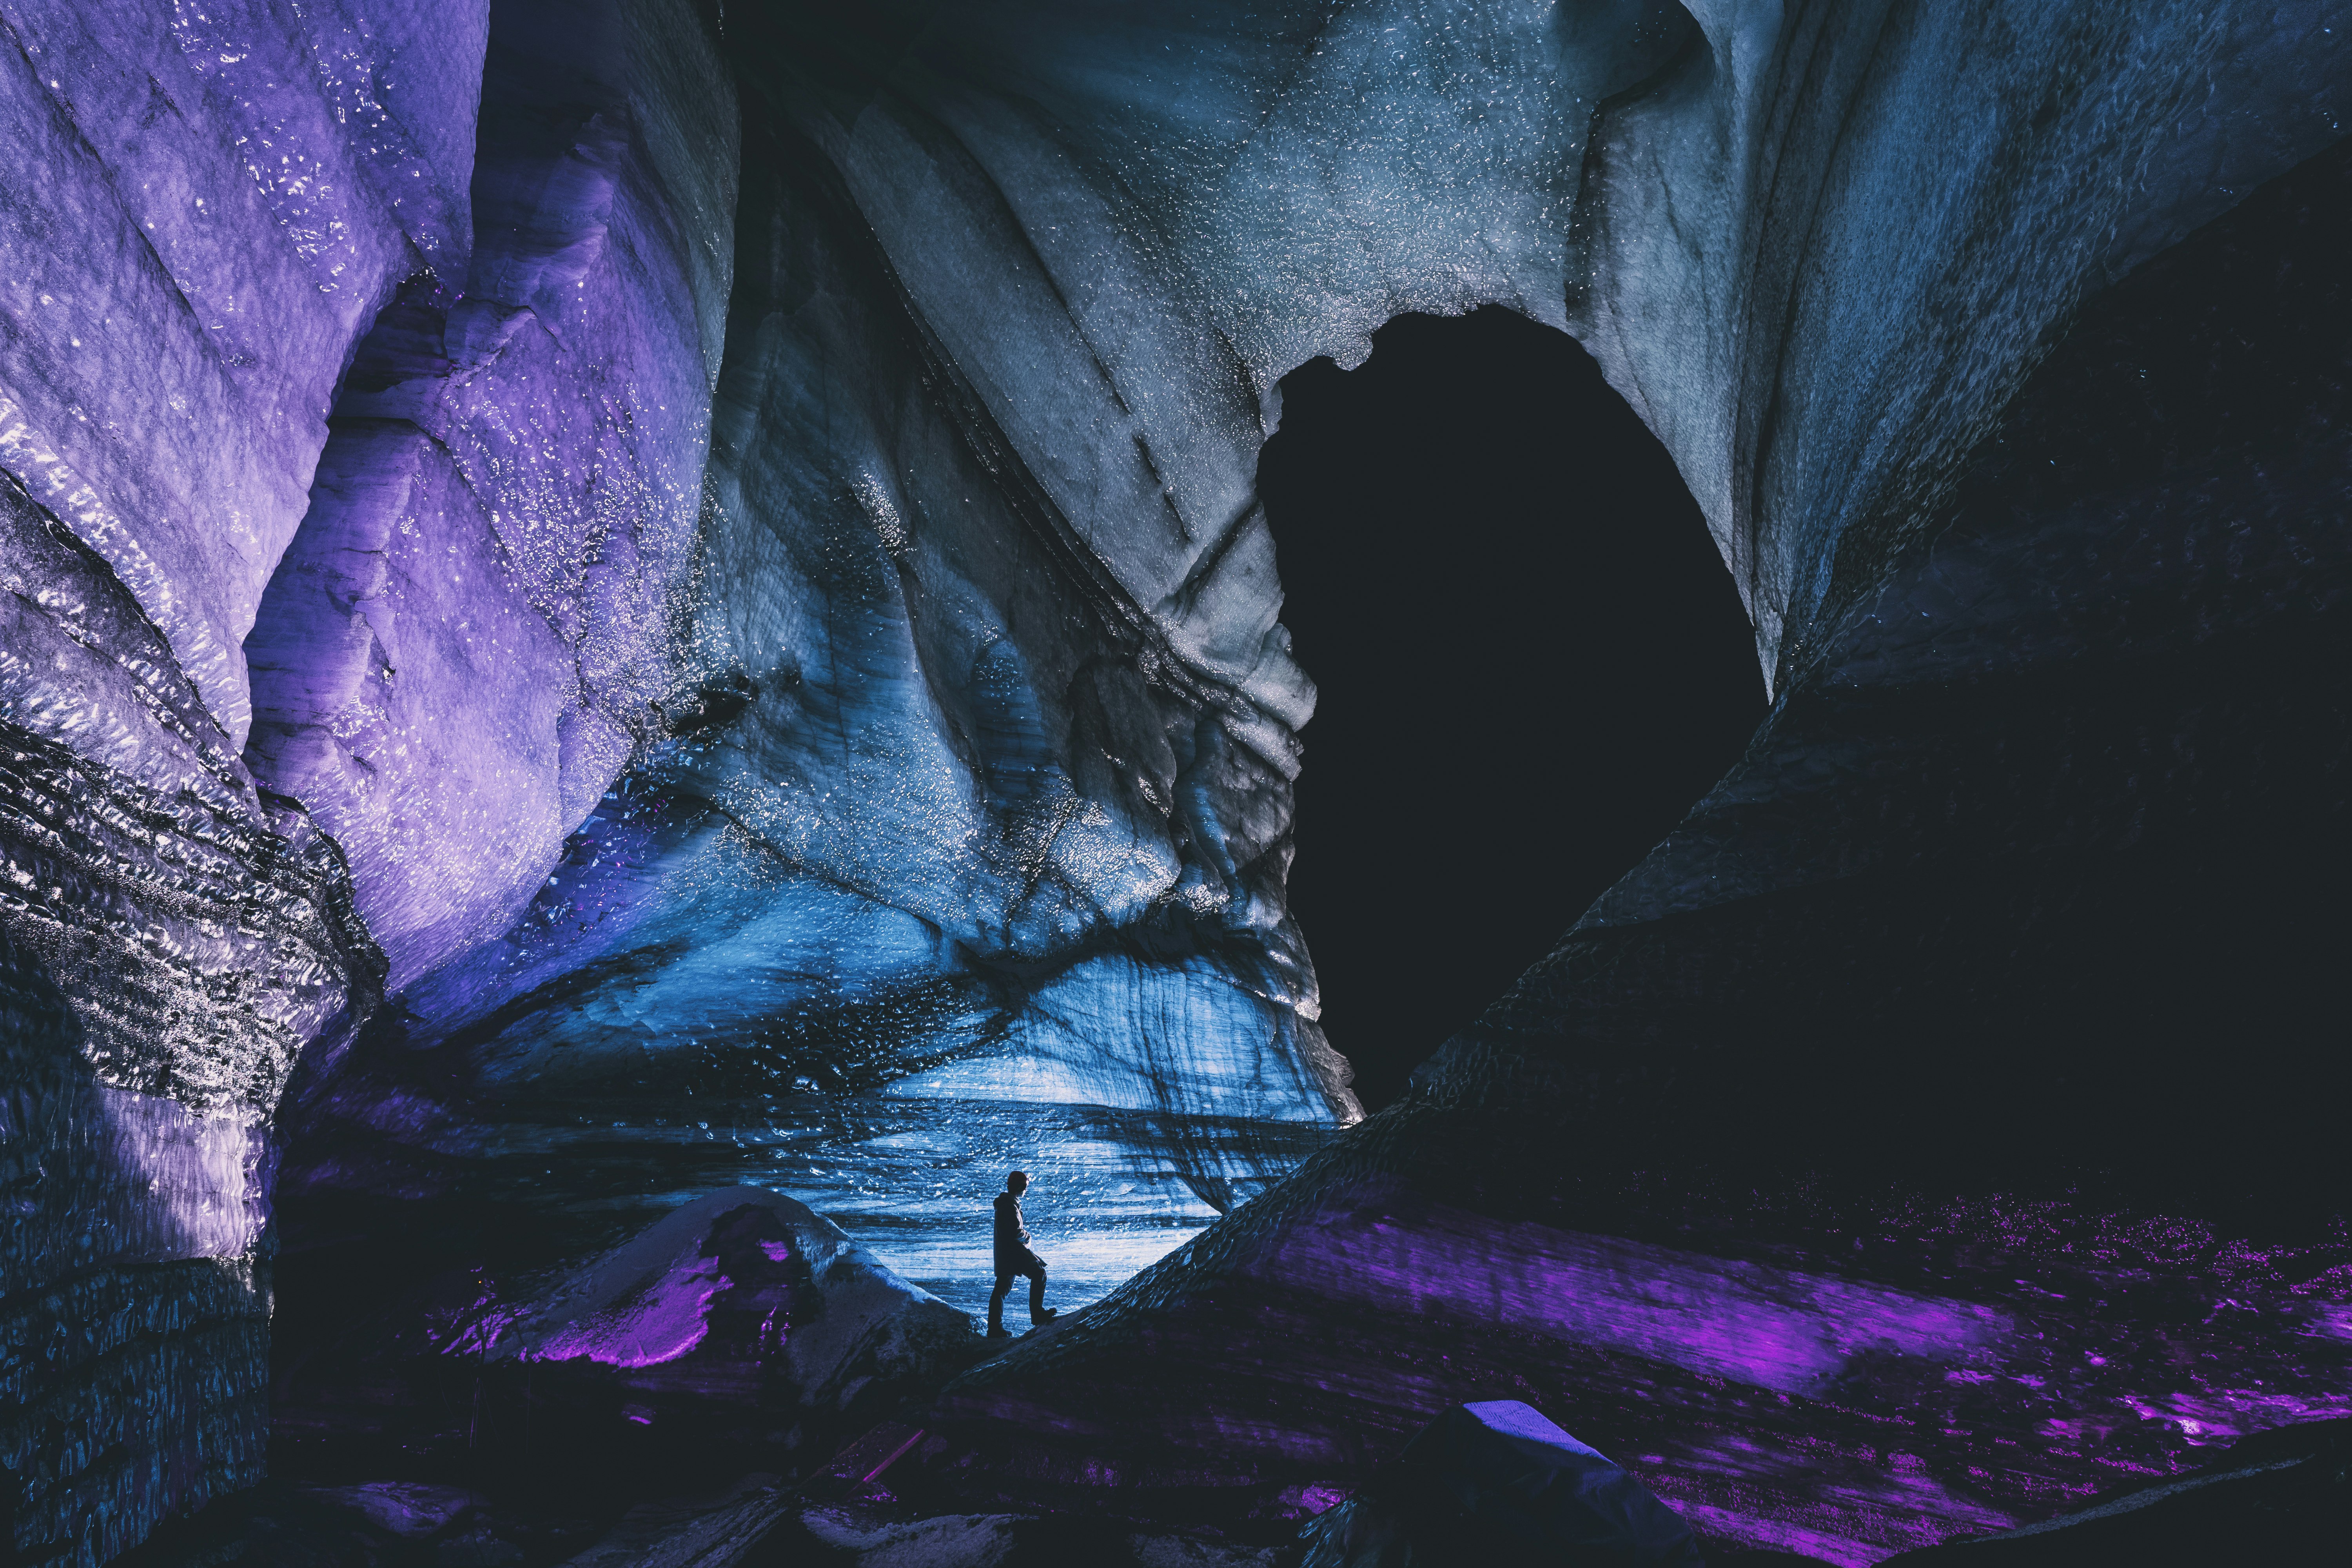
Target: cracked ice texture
[(168, 945)]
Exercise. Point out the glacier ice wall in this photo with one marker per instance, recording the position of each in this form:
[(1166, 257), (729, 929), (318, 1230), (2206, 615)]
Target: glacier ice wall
[(279, 433), (1126, 230), (785, 682), (1824, 245), (207, 208), (203, 213), (950, 860), (457, 649)]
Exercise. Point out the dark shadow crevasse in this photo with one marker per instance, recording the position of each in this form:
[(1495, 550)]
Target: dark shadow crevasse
[(1530, 664)]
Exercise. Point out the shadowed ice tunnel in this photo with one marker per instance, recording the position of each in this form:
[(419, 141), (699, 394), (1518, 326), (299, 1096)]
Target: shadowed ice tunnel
[(1529, 660)]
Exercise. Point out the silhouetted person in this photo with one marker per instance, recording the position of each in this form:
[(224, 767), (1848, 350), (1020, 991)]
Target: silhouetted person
[(1013, 1257)]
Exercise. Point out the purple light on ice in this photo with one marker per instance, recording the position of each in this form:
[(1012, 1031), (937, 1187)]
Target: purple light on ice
[(1786, 1329), (659, 1323)]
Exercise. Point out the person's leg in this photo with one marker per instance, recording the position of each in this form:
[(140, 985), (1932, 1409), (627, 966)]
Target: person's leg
[(1036, 1288), (996, 1301)]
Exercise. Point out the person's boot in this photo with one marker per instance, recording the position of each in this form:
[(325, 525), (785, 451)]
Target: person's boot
[(999, 1331), (1045, 1315)]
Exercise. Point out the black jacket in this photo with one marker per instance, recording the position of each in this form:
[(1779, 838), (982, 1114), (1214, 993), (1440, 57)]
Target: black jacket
[(1012, 1236)]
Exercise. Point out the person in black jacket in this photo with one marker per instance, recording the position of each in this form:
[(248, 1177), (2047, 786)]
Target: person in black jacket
[(1013, 1257)]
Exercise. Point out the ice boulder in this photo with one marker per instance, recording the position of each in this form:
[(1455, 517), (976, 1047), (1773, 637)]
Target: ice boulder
[(742, 1313)]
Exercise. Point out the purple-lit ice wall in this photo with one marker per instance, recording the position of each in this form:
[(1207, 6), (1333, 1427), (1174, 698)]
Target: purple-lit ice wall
[(950, 863), (170, 942), (206, 205), (947, 792), (220, 226), (954, 860), (462, 645)]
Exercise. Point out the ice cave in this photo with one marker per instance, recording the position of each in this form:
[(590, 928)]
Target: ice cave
[(1613, 734)]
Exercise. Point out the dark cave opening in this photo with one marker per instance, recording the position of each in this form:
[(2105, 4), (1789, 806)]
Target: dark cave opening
[(1518, 624)]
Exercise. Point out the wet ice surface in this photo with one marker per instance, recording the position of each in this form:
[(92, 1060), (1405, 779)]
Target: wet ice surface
[(911, 1178)]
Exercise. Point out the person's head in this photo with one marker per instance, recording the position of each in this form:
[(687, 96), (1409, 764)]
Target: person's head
[(1017, 1182)]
